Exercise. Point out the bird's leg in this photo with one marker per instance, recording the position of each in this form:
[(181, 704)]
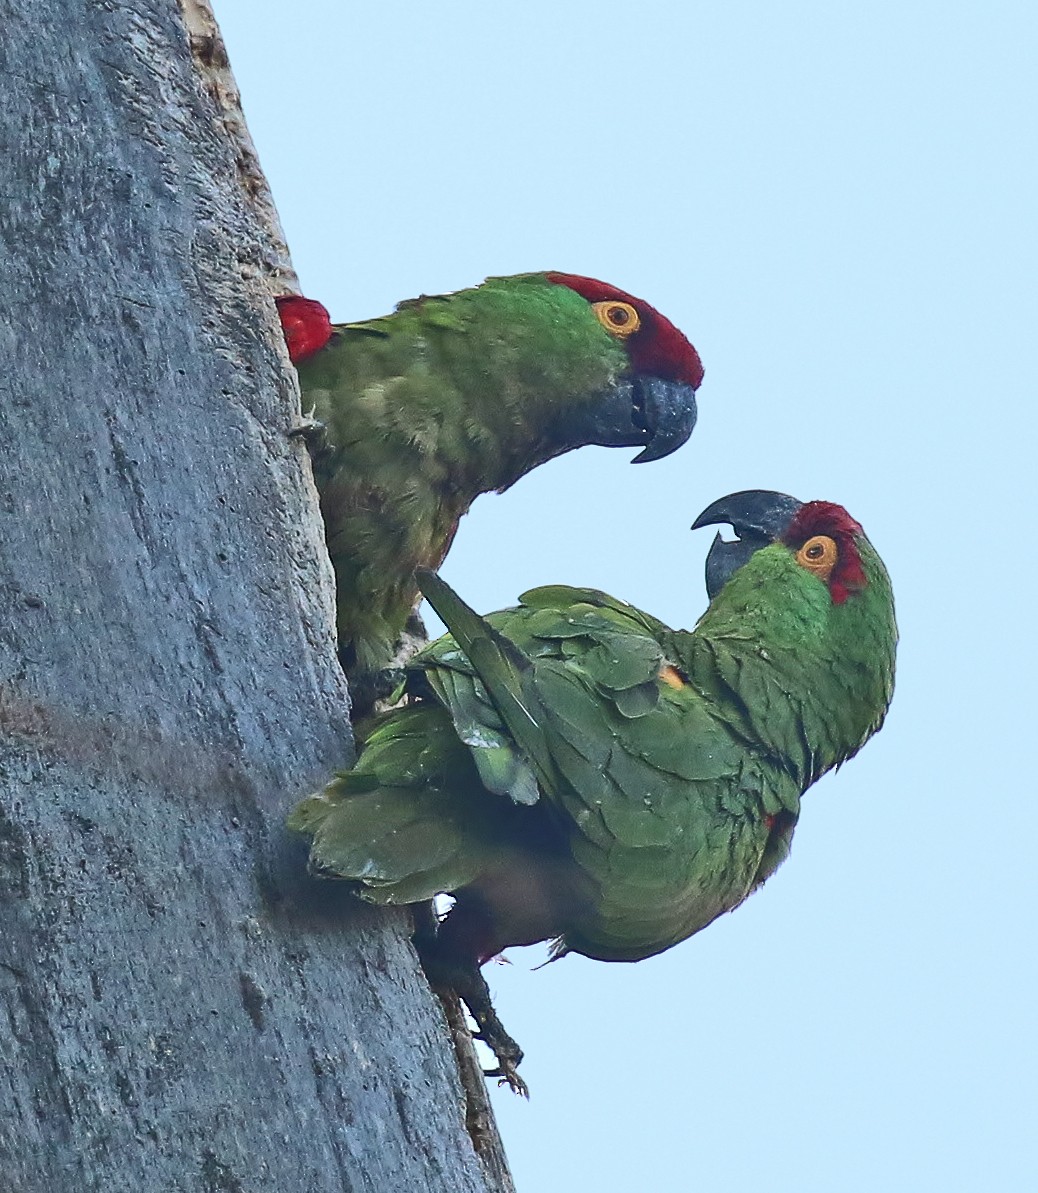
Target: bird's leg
[(472, 987), (376, 691), (447, 968), (313, 433), (368, 688), (468, 983)]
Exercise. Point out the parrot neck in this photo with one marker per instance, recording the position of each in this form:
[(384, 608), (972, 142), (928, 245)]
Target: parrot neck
[(803, 679)]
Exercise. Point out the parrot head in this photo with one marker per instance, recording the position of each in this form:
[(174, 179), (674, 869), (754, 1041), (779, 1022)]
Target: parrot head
[(648, 371), (653, 403), (818, 600), (825, 540)]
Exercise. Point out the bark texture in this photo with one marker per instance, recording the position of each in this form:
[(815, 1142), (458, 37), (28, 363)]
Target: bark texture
[(180, 1009)]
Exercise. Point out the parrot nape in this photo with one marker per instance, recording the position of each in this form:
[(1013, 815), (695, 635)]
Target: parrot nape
[(453, 396), (573, 769)]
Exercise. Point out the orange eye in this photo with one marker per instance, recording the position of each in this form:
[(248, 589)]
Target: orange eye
[(818, 556), (618, 318)]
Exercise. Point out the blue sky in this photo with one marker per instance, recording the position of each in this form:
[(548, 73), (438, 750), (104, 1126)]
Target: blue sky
[(836, 203)]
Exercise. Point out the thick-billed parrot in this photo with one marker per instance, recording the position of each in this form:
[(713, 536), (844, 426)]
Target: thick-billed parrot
[(461, 394), (574, 770)]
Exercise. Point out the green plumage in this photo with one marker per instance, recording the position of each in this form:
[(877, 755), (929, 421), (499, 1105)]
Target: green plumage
[(549, 775), (425, 409)]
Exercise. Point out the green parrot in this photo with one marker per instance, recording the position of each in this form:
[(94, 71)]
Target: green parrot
[(574, 770), (452, 396)]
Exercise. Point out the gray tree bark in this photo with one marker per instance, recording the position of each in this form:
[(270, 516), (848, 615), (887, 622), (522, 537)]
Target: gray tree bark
[(180, 1008)]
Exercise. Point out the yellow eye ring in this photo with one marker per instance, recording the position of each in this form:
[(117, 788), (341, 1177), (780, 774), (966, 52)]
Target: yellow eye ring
[(618, 318), (818, 556)]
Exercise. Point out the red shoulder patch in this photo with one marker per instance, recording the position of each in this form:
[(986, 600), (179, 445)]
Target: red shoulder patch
[(306, 324)]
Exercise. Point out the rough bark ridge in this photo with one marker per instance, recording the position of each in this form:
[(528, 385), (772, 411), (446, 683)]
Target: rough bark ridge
[(179, 1009)]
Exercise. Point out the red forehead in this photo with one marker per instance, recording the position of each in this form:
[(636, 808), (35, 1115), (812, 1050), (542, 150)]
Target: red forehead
[(828, 518), (657, 347), (821, 517)]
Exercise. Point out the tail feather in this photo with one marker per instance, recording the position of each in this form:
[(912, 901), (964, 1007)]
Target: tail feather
[(502, 668)]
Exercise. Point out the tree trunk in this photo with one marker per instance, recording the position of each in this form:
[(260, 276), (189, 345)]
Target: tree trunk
[(180, 1008)]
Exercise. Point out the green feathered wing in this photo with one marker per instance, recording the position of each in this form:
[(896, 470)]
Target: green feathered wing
[(545, 742)]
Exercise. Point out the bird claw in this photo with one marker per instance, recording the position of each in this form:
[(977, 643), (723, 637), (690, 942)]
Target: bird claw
[(491, 1032), (313, 433), (373, 691), (469, 984), (508, 1076)]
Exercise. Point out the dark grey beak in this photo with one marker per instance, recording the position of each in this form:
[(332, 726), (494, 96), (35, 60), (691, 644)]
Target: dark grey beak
[(645, 412), (758, 517), (669, 413)]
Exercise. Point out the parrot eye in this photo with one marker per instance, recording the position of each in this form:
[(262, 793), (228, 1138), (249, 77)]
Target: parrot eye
[(818, 556), (618, 318)]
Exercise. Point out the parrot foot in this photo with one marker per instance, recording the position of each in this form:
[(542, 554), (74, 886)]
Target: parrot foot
[(313, 433), (506, 1069), (372, 692), (507, 1052), (464, 978)]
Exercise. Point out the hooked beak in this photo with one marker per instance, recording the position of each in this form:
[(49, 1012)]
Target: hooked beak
[(669, 413), (759, 517), (647, 412)]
